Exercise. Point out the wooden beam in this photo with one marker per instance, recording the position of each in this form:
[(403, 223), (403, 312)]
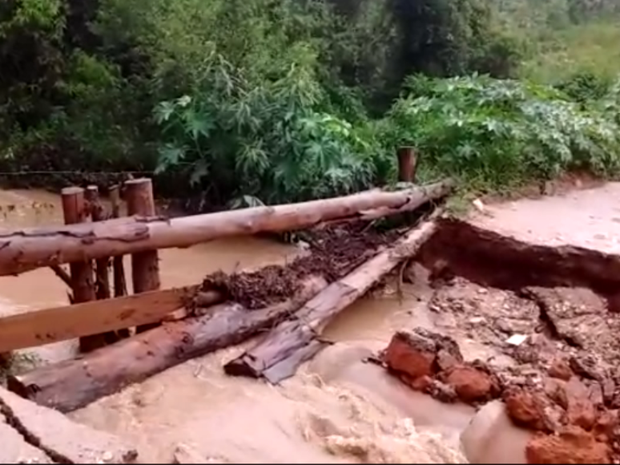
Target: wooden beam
[(72, 321)]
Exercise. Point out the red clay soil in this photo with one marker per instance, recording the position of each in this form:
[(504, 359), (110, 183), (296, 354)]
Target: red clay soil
[(334, 252), (571, 401)]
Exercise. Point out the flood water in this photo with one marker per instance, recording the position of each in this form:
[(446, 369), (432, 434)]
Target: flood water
[(336, 410)]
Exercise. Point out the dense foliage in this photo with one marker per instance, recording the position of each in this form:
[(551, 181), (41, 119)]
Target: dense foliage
[(280, 100)]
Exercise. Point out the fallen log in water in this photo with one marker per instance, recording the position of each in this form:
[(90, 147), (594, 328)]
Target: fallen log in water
[(298, 338), (34, 248), (72, 384)]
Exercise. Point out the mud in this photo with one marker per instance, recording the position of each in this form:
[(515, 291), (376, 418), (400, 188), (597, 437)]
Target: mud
[(331, 253), (558, 377)]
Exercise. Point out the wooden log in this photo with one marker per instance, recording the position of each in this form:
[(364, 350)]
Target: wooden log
[(50, 325), (72, 384), (407, 163), (75, 212), (297, 339), (120, 284), (33, 248), (144, 265)]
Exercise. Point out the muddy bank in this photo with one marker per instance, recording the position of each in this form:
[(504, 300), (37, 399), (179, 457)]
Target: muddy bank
[(550, 355), (491, 259)]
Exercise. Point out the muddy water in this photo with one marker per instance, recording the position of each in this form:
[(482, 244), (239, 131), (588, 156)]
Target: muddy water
[(336, 409)]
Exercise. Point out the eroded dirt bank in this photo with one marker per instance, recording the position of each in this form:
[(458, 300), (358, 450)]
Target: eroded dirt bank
[(474, 284)]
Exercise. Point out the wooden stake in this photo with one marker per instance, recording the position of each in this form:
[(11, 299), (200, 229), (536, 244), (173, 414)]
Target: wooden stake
[(120, 284), (102, 264), (74, 210), (144, 265), (406, 164)]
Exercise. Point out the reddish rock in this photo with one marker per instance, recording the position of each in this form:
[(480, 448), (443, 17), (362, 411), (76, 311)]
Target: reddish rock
[(555, 389), (527, 409), (560, 369), (596, 395), (580, 410), (572, 445), (442, 391), (606, 425), (421, 384), (414, 356), (471, 384), (581, 413), (576, 389), (609, 387), (446, 360)]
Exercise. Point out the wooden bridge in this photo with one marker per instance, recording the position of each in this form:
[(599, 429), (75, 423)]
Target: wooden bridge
[(115, 328)]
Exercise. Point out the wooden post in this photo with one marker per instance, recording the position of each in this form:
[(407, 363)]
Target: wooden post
[(96, 210), (120, 284), (74, 210), (144, 265), (406, 164)]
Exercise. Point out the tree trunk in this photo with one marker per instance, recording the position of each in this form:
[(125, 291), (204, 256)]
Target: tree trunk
[(297, 339), (72, 384), (34, 248)]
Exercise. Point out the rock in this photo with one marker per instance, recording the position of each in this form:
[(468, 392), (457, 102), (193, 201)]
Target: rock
[(560, 369), (555, 389), (15, 449), (491, 437), (606, 427), (596, 395), (416, 353), (579, 316), (411, 354), (609, 388), (572, 445), (445, 360), (528, 409), (419, 384), (585, 366), (442, 391), (471, 384), (61, 438), (581, 412)]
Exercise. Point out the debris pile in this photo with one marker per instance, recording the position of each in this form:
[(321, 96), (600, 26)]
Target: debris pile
[(333, 253)]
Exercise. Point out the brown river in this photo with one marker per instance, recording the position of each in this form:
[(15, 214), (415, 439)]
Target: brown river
[(336, 409)]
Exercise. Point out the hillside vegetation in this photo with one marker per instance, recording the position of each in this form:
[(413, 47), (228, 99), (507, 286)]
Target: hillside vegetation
[(242, 102)]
